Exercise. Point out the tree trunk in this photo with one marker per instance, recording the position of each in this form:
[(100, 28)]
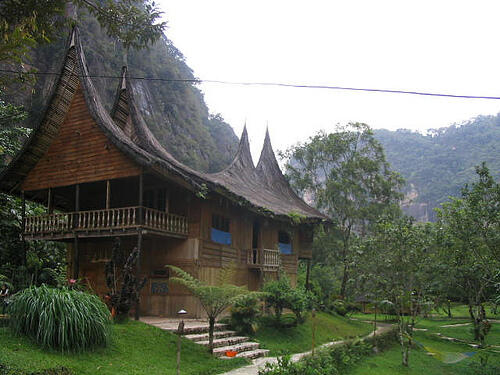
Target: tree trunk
[(345, 277), (211, 327), (449, 309)]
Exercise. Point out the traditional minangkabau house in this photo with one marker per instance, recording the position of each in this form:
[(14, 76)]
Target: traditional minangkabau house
[(103, 176)]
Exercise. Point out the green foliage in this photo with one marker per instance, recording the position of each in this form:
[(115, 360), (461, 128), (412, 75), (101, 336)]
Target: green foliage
[(348, 178), (470, 245), (7, 370), (214, 299), (62, 319), (297, 338), (132, 22), (121, 280), (26, 23), (137, 348), (280, 295), (438, 164), (329, 361), (296, 217), (174, 111), (245, 313)]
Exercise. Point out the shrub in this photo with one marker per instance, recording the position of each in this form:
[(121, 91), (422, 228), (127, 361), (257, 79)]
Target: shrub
[(244, 314), (63, 319), (277, 295), (332, 360), (280, 295), (297, 302), (339, 307)]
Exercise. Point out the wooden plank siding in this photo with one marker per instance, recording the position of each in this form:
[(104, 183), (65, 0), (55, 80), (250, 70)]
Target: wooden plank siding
[(81, 152)]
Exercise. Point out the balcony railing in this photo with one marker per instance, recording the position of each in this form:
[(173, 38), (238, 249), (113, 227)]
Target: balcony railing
[(108, 219), (265, 258)]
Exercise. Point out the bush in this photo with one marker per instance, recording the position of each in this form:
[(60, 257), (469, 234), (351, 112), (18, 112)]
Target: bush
[(63, 319), (280, 295), (297, 302), (338, 306), (244, 314), (332, 360), (277, 295)]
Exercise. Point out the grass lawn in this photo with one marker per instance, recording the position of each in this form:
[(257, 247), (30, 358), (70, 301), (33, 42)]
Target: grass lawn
[(136, 349), (459, 332), (298, 339), (389, 362)]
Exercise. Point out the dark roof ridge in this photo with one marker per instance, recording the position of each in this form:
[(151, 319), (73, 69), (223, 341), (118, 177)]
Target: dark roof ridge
[(242, 161)]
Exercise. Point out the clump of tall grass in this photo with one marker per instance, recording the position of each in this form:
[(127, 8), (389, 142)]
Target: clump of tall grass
[(61, 319)]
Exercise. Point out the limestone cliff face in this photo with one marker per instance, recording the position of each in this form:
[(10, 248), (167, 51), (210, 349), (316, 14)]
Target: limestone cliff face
[(175, 111), (411, 207)]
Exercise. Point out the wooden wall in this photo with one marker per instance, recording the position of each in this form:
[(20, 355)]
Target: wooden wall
[(80, 153)]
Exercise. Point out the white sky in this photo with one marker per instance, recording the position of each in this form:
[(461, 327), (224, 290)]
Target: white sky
[(436, 46)]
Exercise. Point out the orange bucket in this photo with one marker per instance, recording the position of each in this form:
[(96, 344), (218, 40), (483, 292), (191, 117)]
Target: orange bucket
[(231, 353)]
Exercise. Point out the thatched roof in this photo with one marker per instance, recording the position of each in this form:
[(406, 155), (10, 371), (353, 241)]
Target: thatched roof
[(263, 189)]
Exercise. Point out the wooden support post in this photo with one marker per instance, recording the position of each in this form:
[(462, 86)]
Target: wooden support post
[(108, 194), (139, 243), (308, 274), (23, 224), (76, 252), (50, 207), (167, 201)]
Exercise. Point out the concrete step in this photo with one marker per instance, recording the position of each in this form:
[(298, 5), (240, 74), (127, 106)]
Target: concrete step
[(250, 354), (196, 329), (225, 341), (242, 347), (204, 336)]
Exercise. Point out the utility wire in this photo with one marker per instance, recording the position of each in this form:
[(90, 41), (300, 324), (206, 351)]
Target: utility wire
[(269, 84)]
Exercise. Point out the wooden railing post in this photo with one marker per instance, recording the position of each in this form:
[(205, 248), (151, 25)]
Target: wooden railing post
[(139, 243), (76, 252)]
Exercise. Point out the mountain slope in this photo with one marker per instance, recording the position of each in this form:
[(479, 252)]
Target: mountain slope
[(175, 111), (440, 163)]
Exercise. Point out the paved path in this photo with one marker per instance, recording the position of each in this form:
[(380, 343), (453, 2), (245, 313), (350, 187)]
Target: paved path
[(260, 363)]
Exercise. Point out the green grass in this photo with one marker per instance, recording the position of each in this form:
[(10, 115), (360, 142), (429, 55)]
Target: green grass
[(136, 348), (298, 339), (389, 362), (460, 332)]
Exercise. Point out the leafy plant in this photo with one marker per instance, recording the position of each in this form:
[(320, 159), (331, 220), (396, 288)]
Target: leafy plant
[(122, 282), (280, 295), (245, 313), (214, 299), (62, 319)]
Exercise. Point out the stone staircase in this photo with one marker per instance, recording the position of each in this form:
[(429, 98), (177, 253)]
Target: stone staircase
[(224, 339)]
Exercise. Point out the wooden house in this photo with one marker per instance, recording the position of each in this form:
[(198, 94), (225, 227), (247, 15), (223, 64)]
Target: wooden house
[(104, 175)]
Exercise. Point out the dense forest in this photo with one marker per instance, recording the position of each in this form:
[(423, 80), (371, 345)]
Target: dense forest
[(175, 111), (439, 163)]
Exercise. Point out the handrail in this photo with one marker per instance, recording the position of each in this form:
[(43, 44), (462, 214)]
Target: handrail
[(106, 219), (265, 257)]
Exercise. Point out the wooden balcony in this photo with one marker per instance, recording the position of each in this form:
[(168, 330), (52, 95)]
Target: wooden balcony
[(107, 222), (265, 259)]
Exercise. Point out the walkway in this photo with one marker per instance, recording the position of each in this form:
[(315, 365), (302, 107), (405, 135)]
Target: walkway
[(260, 363)]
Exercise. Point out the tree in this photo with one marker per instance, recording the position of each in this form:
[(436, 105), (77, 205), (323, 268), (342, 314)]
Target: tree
[(470, 240), (347, 177), (394, 267), (214, 299), (27, 23)]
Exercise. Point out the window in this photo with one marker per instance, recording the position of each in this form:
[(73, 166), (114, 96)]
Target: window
[(284, 242), (220, 230)]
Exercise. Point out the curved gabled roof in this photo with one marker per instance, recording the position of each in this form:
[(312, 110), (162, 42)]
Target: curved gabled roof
[(263, 189)]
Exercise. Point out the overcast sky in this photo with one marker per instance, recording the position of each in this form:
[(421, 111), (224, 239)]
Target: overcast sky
[(436, 46)]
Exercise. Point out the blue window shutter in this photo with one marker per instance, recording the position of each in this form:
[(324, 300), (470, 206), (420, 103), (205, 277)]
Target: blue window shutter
[(220, 236)]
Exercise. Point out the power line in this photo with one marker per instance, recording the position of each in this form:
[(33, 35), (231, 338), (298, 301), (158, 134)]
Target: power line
[(269, 84)]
